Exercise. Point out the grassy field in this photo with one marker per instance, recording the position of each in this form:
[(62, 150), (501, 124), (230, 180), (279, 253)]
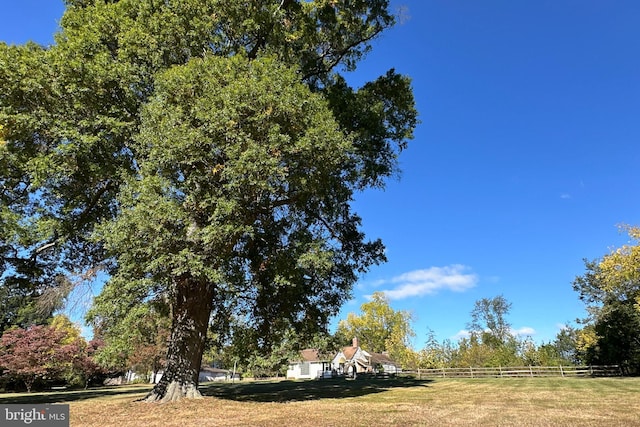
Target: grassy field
[(366, 402)]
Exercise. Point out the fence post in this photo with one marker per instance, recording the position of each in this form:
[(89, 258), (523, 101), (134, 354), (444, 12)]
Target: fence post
[(590, 370), (561, 371), (471, 370), (500, 367)]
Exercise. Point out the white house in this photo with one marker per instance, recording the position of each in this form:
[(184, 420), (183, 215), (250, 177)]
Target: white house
[(382, 363), (354, 360), (310, 365), (351, 359), (207, 373)]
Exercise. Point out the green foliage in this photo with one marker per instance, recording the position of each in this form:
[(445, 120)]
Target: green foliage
[(136, 341), (611, 289), (69, 113), (19, 306), (236, 187), (566, 346), (29, 257), (217, 146), (488, 321), (491, 343), (617, 341), (473, 352), (243, 349), (436, 354)]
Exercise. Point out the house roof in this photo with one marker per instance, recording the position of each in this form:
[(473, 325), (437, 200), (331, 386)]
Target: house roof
[(381, 358), (312, 355), (370, 357), (349, 352), (211, 370)]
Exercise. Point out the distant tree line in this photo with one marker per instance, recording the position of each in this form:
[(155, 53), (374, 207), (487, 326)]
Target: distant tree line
[(490, 342), (608, 335)]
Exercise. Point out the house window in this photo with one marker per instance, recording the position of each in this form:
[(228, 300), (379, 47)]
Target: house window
[(304, 368)]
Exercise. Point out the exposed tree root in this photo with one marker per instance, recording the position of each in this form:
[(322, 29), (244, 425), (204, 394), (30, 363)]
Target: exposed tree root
[(172, 392)]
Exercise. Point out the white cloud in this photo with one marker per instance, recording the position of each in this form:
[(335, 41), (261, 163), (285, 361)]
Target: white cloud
[(431, 280), (525, 330), (565, 196)]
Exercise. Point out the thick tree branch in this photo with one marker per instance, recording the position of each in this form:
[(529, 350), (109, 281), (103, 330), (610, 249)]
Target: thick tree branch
[(323, 67), (103, 187)]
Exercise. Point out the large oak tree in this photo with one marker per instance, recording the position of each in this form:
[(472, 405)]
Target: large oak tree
[(217, 146)]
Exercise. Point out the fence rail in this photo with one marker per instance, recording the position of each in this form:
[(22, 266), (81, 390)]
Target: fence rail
[(518, 371)]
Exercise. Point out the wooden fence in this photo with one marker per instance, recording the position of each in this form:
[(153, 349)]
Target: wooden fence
[(518, 371)]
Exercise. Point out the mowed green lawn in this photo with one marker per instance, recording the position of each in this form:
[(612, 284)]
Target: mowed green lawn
[(366, 402)]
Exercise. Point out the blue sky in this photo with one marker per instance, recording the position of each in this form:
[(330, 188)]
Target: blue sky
[(524, 163)]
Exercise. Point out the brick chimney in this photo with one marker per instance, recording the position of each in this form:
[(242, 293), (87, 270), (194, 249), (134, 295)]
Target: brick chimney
[(355, 342)]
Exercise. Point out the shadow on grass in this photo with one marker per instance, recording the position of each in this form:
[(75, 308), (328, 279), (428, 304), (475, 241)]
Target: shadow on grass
[(72, 395), (287, 391), (260, 391)]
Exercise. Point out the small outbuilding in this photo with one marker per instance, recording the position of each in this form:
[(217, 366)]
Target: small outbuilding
[(311, 364), (208, 373)]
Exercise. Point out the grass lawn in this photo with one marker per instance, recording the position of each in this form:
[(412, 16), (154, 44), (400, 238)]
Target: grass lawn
[(366, 402)]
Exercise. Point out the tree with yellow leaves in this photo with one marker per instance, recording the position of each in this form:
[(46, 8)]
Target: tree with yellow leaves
[(380, 328), (620, 269), (611, 290)]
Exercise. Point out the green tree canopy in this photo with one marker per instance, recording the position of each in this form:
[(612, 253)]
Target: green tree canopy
[(488, 320), (611, 289), (219, 148)]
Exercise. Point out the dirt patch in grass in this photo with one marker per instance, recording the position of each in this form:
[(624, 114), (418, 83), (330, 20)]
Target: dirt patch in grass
[(389, 402)]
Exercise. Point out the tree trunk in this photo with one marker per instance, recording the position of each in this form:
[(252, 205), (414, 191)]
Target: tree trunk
[(191, 311), (29, 383)]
